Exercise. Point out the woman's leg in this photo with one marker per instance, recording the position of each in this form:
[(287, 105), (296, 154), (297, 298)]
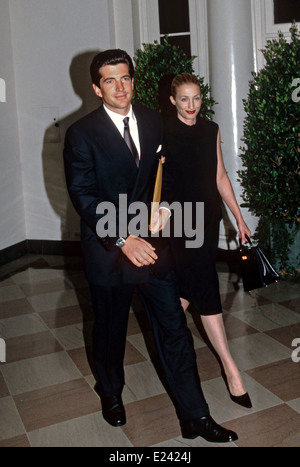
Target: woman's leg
[(215, 330), (184, 303)]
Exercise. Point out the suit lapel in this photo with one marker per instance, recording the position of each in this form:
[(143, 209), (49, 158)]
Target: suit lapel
[(147, 160), (115, 148), (111, 140)]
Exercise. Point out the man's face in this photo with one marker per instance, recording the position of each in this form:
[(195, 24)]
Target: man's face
[(115, 88)]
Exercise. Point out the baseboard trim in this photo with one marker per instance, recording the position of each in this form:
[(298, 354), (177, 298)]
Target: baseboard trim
[(39, 247)]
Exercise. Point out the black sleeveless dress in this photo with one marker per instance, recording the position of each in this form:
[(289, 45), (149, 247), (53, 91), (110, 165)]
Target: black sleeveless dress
[(190, 178)]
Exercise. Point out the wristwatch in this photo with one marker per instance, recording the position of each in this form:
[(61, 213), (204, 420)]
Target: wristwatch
[(121, 241)]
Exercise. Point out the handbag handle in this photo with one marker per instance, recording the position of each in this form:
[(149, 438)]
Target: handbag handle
[(248, 240)]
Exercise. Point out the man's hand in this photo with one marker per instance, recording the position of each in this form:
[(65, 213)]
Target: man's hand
[(139, 252)]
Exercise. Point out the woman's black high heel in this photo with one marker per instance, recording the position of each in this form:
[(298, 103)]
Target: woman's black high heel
[(243, 400)]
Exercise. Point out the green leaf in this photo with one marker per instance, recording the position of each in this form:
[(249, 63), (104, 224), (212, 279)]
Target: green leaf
[(270, 155)]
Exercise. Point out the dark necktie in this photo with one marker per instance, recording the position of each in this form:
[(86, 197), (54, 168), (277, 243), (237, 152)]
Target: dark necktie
[(129, 141)]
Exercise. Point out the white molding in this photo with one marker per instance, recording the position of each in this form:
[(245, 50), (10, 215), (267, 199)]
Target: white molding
[(148, 21), (272, 28), (121, 24), (257, 33), (112, 23), (146, 29), (264, 29), (199, 37)]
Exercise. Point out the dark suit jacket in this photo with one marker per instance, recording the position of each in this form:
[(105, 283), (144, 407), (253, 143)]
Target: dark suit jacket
[(99, 167)]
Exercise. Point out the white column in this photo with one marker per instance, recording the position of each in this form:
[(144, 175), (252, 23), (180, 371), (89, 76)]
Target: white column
[(123, 24), (231, 61)]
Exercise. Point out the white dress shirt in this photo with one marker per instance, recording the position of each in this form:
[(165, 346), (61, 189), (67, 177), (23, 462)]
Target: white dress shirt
[(118, 121)]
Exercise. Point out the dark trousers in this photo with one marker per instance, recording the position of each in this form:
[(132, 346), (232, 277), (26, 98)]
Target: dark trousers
[(172, 337)]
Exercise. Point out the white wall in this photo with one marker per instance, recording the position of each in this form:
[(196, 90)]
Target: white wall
[(48, 45), (12, 219), (53, 42)]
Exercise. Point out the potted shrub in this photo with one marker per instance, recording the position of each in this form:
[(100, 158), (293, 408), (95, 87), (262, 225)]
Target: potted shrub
[(155, 66), (271, 156)]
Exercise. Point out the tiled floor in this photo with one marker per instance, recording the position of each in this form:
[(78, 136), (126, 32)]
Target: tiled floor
[(46, 384)]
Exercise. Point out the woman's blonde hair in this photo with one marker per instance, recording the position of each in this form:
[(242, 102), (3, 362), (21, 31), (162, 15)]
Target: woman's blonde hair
[(183, 78)]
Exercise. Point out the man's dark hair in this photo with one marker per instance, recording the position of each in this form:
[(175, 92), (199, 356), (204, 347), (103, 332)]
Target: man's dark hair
[(109, 57)]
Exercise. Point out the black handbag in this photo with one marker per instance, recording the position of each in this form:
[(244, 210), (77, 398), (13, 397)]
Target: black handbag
[(256, 270)]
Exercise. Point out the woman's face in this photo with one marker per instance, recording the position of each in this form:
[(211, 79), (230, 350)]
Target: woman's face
[(188, 102)]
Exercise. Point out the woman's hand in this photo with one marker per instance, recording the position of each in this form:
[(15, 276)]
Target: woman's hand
[(159, 220), (243, 230)]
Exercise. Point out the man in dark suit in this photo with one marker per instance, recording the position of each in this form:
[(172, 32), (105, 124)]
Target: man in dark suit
[(100, 168)]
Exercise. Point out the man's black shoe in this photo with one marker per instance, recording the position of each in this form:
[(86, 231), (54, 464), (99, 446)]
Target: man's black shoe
[(113, 410), (208, 429)]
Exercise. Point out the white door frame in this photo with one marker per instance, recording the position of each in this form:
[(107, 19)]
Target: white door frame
[(148, 19), (264, 28)]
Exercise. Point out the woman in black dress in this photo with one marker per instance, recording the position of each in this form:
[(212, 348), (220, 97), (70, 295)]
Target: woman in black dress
[(195, 172)]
